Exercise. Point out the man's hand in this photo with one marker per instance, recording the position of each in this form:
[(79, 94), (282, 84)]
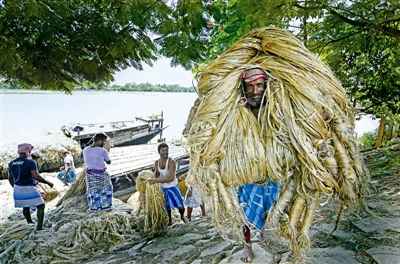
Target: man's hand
[(152, 180), (107, 145)]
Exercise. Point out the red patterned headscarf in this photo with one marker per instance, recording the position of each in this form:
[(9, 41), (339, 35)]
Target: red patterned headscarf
[(253, 74)]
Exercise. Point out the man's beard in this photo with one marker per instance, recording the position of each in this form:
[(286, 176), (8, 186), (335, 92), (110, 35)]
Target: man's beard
[(254, 102)]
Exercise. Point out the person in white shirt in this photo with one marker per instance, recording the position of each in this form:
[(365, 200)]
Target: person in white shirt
[(165, 175), (67, 174)]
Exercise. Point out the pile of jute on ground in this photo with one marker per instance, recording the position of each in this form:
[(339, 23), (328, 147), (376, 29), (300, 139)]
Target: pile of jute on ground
[(71, 234), (151, 199), (151, 203), (303, 137)]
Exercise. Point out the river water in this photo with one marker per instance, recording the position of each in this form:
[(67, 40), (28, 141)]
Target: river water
[(36, 116)]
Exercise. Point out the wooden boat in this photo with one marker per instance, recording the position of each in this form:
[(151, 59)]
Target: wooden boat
[(121, 133)]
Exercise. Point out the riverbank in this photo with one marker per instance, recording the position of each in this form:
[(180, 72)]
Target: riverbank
[(116, 237)]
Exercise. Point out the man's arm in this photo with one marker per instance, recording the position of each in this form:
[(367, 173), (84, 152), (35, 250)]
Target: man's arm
[(39, 178), (156, 172), (106, 157), (10, 178), (171, 174)]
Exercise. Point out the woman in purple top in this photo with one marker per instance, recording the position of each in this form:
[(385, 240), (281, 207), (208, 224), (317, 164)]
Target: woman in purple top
[(99, 188)]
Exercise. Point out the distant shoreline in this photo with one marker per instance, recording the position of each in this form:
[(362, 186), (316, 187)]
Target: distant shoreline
[(37, 91), (128, 87)]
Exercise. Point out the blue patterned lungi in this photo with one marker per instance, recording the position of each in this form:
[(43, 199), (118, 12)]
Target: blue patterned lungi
[(27, 196), (173, 198), (99, 190), (256, 200)]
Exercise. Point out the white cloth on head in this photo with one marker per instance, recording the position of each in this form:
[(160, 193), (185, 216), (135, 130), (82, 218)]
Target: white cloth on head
[(69, 162)]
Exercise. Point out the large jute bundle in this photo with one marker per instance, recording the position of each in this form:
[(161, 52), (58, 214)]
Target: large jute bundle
[(303, 137), (152, 202)]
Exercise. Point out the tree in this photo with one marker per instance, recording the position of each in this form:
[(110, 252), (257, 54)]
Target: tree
[(366, 59), (183, 37), (360, 40), (58, 44)]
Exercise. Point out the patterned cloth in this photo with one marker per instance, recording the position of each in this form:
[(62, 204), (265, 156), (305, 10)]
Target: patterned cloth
[(27, 196), (99, 190), (173, 198), (256, 200), (67, 176)]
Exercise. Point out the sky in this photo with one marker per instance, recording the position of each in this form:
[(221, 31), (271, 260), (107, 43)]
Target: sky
[(160, 73)]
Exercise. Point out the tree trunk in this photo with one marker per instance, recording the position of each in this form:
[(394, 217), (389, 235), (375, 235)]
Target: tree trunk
[(396, 130), (389, 131), (381, 132), (305, 17)]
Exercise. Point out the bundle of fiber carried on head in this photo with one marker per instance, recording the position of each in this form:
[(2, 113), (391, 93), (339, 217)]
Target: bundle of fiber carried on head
[(152, 202), (303, 137)]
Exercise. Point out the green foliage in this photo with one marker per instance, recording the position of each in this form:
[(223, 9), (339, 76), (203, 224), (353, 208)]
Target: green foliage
[(365, 59), (367, 140), (360, 40), (58, 44), (182, 36), (62, 44)]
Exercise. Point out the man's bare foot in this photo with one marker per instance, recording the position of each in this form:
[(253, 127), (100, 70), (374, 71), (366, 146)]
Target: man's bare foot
[(248, 255), (184, 219)]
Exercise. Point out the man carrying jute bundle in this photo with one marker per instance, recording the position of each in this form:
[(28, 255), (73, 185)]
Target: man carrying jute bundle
[(271, 132), (255, 198)]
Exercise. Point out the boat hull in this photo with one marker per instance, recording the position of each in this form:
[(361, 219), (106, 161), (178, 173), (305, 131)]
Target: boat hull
[(141, 140), (117, 141)]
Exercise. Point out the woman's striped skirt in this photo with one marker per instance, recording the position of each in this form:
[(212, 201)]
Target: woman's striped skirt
[(99, 190)]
